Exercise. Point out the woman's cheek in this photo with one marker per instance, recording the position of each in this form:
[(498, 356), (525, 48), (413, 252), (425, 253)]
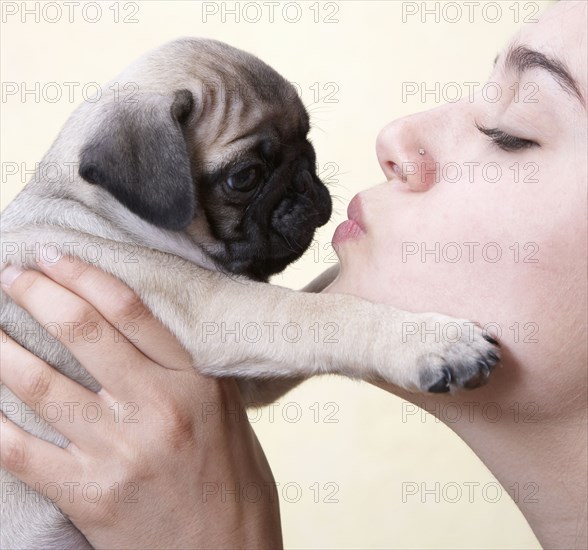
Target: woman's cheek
[(415, 266)]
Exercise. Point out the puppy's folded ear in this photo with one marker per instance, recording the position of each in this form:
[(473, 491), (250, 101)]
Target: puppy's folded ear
[(139, 154)]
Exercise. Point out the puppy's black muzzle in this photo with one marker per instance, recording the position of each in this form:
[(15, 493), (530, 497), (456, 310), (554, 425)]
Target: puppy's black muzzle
[(306, 206)]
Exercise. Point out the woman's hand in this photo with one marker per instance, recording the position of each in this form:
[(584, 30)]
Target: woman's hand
[(172, 457)]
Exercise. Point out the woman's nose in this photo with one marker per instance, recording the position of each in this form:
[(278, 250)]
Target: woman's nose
[(405, 154)]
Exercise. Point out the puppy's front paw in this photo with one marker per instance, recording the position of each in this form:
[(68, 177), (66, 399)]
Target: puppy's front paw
[(452, 354)]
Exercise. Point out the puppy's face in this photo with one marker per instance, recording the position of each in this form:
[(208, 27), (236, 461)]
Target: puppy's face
[(264, 200), (223, 156)]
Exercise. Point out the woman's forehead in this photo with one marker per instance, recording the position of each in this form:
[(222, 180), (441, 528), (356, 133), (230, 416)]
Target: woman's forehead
[(559, 34)]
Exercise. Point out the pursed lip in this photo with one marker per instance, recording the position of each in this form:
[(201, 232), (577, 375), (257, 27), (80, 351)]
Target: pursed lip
[(353, 227), (355, 211)]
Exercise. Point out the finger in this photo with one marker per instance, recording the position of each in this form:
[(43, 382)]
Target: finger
[(122, 308), (60, 401), (34, 461), (78, 326)]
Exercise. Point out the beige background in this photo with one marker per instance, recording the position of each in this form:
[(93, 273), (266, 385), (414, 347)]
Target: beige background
[(343, 457)]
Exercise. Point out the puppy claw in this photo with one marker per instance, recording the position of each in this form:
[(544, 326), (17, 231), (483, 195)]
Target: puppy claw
[(443, 385), (489, 338), (494, 357), (451, 365)]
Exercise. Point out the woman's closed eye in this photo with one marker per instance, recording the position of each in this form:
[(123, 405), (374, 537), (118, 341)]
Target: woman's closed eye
[(504, 141)]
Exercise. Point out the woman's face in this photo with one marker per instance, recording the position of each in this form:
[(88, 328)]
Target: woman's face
[(490, 230)]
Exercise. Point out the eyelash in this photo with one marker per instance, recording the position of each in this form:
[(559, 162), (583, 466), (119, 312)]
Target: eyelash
[(505, 141)]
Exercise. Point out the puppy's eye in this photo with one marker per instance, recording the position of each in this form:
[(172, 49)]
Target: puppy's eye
[(245, 180)]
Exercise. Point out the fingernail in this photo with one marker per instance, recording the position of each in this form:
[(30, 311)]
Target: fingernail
[(9, 275)]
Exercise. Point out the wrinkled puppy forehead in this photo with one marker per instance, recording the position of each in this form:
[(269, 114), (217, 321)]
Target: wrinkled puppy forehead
[(236, 94), (222, 71)]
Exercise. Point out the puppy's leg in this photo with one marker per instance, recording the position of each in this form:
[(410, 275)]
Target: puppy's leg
[(239, 328), (295, 335), (262, 392)]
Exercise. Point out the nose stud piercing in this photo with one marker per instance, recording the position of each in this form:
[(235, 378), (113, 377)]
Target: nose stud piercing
[(421, 152)]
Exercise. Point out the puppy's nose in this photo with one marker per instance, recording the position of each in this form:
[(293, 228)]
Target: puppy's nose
[(303, 182)]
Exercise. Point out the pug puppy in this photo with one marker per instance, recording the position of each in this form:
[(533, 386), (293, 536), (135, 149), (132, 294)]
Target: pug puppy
[(192, 180)]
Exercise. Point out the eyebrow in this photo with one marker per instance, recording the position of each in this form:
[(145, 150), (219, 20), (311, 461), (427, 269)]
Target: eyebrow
[(522, 58)]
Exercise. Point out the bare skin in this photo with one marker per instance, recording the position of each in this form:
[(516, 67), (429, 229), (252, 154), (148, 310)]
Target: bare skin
[(537, 300), (544, 445)]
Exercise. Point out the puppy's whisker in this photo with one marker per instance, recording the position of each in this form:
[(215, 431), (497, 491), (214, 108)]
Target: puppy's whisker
[(338, 198), (290, 247), (316, 106), (318, 128), (315, 116)]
